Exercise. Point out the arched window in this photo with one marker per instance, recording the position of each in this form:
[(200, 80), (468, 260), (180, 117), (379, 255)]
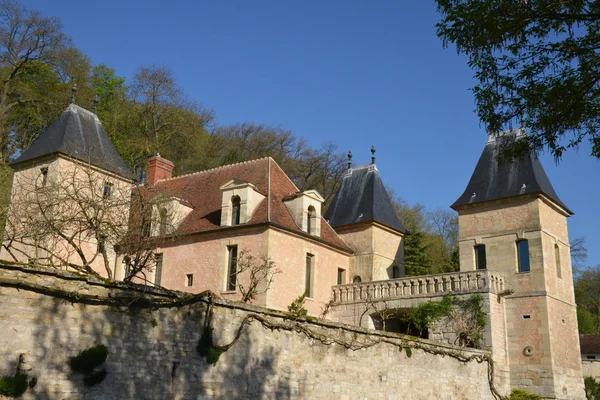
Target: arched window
[(163, 222), (235, 210), (523, 255), (309, 219), (395, 272), (356, 279), (480, 259), (557, 259)]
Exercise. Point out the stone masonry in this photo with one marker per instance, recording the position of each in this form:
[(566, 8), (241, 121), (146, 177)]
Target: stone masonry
[(49, 316)]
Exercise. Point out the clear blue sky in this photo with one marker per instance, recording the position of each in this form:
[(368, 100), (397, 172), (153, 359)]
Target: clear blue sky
[(356, 73)]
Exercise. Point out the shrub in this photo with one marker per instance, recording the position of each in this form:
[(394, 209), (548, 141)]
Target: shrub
[(95, 378), (518, 394), (206, 347), (296, 309), (592, 388), (86, 363), (13, 386), (89, 359)]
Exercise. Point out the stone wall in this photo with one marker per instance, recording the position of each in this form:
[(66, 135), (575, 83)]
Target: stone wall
[(49, 316), (591, 368)]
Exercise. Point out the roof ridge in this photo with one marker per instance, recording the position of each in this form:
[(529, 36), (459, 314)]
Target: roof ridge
[(286, 175), (77, 108), (212, 169)]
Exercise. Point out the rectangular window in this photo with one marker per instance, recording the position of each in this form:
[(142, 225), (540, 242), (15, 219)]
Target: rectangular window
[(126, 268), (341, 278), (101, 247), (44, 176), (523, 255), (189, 280), (557, 259), (107, 191), (308, 290), (232, 267), (591, 357), (158, 259), (480, 259)]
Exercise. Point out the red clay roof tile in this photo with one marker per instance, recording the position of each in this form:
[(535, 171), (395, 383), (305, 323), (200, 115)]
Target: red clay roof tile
[(202, 191)]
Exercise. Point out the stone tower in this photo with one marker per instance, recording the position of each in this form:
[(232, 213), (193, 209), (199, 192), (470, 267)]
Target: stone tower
[(511, 221), (363, 216), (73, 150)]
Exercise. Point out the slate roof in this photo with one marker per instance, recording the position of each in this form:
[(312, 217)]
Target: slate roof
[(362, 198), (491, 181), (78, 133), (202, 191), (590, 343)]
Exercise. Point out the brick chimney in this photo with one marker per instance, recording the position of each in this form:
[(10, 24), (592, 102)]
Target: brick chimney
[(159, 168)]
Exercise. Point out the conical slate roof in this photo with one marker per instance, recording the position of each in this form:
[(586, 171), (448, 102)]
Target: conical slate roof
[(491, 181), (362, 198), (78, 133)]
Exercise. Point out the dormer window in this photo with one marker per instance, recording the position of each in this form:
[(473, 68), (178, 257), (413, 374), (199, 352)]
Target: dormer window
[(240, 199), (305, 209), (309, 219), (235, 210)]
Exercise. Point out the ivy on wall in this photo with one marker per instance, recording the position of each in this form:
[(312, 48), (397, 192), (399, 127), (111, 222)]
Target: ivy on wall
[(87, 362), (465, 317)]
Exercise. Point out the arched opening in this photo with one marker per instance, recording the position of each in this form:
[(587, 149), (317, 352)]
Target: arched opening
[(235, 210), (310, 219), (480, 258), (356, 279), (163, 222), (523, 255)]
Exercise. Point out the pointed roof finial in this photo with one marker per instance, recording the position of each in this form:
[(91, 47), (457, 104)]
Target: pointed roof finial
[(73, 91), (95, 103), (373, 154), (349, 159)]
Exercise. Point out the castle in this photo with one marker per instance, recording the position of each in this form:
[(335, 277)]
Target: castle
[(513, 242)]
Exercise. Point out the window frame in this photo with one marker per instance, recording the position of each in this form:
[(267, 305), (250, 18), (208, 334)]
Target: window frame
[(232, 256), (341, 276), (236, 210), (477, 249), (44, 173), (310, 215), (107, 190), (520, 268), (309, 269), (162, 221), (158, 267), (557, 261)]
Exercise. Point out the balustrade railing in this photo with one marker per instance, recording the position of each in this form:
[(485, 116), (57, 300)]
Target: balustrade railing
[(455, 282)]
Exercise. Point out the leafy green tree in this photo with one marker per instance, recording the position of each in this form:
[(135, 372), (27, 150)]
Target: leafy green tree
[(162, 120), (537, 64), (26, 39), (587, 297)]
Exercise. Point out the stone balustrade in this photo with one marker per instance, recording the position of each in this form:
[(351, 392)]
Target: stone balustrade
[(426, 285)]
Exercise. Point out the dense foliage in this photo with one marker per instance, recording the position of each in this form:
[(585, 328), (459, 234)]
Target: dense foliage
[(465, 317), (432, 244), (537, 64), (13, 386)]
